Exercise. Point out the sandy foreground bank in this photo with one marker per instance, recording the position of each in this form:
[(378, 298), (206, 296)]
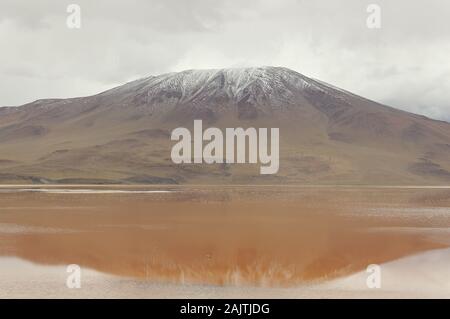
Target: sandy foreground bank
[(424, 275)]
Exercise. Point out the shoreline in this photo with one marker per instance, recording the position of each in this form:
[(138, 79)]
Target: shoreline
[(363, 186), (423, 275)]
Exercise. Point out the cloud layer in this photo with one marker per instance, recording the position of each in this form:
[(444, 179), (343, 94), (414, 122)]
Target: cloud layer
[(404, 63)]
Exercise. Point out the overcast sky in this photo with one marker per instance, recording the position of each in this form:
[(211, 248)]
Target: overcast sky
[(405, 63)]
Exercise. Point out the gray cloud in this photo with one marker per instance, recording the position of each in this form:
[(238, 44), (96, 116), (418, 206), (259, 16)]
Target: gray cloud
[(404, 64)]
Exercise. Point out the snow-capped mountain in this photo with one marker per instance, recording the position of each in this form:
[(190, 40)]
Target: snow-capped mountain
[(264, 88), (328, 135)]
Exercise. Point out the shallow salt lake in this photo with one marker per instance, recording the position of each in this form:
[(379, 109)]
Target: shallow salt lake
[(215, 240)]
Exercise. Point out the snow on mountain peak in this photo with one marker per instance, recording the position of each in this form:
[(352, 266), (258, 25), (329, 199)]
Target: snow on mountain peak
[(262, 85)]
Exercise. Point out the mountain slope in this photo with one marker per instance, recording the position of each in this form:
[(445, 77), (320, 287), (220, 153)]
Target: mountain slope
[(327, 135)]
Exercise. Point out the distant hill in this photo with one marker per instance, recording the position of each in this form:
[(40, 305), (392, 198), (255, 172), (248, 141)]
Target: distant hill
[(327, 135)]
